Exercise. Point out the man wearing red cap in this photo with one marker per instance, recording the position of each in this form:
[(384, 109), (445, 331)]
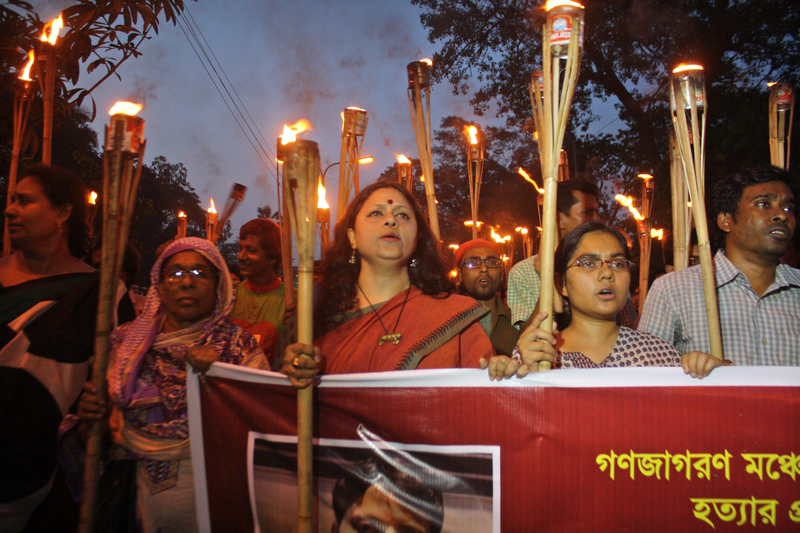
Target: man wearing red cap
[(260, 299), (480, 274)]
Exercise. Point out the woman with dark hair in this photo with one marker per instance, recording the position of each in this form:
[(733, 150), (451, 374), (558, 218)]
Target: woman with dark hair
[(386, 302), (48, 306), (593, 276)]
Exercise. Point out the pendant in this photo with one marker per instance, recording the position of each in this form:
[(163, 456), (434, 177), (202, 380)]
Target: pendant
[(394, 338)]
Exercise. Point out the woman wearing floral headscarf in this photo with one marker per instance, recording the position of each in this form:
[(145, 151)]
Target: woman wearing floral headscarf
[(186, 319)]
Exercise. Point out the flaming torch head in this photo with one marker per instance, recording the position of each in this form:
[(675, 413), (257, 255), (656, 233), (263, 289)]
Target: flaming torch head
[(404, 172), (321, 202), (212, 209), (93, 198), (53, 27), (627, 201), (123, 115), (419, 73), (530, 180), (25, 75), (354, 121), (687, 76)]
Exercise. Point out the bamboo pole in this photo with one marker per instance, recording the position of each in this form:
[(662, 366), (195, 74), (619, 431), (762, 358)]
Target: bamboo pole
[(687, 93), (47, 100), (286, 229), (474, 174), (781, 100), (300, 190), (120, 183), (354, 126), (551, 124), (646, 240), (419, 101), (680, 214), (21, 111)]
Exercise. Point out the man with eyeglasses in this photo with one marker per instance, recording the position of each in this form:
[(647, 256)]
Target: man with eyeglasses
[(480, 274), (754, 215)]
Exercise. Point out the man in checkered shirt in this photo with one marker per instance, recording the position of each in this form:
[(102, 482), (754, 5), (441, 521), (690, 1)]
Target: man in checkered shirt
[(753, 214)]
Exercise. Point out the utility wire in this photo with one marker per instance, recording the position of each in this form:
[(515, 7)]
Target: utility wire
[(190, 27)]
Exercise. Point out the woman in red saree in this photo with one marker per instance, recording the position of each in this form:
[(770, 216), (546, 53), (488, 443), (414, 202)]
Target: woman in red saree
[(386, 302)]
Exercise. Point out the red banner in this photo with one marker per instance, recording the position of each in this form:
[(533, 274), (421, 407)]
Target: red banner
[(567, 450)]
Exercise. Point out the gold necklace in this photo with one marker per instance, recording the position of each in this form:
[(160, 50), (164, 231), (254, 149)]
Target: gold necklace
[(392, 337)]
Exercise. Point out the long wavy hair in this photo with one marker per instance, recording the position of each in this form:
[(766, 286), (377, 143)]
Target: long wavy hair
[(339, 294)]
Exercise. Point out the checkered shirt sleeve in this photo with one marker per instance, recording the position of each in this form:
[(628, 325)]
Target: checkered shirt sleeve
[(523, 291)]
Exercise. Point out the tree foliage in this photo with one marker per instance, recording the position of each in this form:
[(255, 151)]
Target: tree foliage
[(630, 47)]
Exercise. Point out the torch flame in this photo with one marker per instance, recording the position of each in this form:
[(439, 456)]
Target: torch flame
[(469, 223), (365, 160), (688, 204), (422, 178), (428, 61), (627, 201), (453, 247), (530, 180), (321, 202), (212, 209), (495, 236), (522, 230), (181, 214), (125, 108), (656, 233), (551, 4), (453, 273), (684, 68), (645, 176), (290, 132), (403, 160), (93, 198), (771, 83), (54, 26), (472, 131), (26, 72)]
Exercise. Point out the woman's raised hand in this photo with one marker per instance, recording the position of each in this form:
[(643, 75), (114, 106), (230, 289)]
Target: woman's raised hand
[(301, 363), (536, 344)]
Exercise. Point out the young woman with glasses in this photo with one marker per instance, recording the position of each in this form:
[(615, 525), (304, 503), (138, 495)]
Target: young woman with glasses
[(593, 276)]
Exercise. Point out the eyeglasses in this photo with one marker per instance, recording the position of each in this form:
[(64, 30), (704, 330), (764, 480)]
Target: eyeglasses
[(590, 264), (197, 274), (475, 262)]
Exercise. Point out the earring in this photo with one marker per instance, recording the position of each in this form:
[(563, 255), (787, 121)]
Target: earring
[(413, 263), (353, 257)]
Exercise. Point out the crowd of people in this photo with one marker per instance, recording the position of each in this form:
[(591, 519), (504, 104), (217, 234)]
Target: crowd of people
[(385, 301)]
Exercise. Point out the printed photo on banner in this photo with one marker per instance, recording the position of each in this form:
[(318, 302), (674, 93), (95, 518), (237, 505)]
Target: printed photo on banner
[(372, 485)]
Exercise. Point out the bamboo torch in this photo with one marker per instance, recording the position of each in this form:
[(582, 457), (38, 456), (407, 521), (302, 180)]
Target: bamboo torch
[(681, 220), (354, 126), (289, 135), (527, 241), (688, 105), (234, 199), (48, 49), (323, 217), (212, 217), (781, 101), (540, 192), (419, 101), (23, 95), (300, 179), (91, 215), (124, 145), (181, 226), (645, 241), (404, 173), (562, 39), (474, 173)]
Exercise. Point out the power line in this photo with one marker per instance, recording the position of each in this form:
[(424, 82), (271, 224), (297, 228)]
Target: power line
[(243, 118)]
